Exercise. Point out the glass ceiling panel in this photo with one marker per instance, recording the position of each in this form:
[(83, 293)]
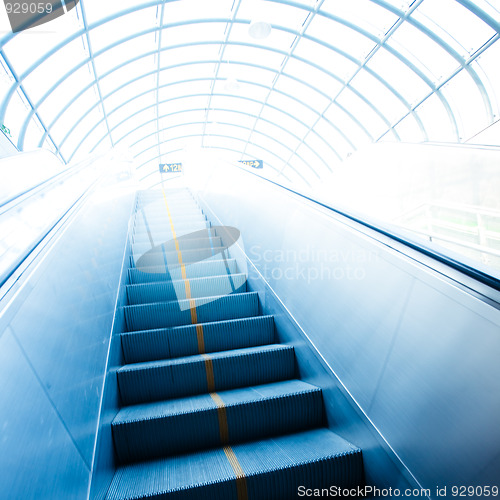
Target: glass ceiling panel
[(85, 123), (254, 55), (55, 67), (272, 130), (132, 122), (145, 101), (222, 116), (123, 74), (236, 103), (409, 131), (379, 95), (428, 56), (55, 102), (119, 55), (324, 148), (142, 131), (470, 111), (249, 73), (127, 92), (17, 112), (364, 113), (199, 32), (180, 105), (184, 88), (407, 83), (121, 27), (182, 118), (34, 134), (341, 36), (73, 114), (186, 10), (278, 39), (316, 77), (488, 61), (325, 58), (327, 132), (436, 120), (187, 72), (300, 111), (183, 55), (353, 131), (285, 119), (274, 13), (364, 13), (303, 92), (96, 11), (455, 24)]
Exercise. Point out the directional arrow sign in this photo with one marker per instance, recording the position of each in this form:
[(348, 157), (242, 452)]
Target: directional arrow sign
[(166, 168), (253, 163)]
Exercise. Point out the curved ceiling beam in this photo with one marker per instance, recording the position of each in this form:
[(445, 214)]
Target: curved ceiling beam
[(251, 45), (230, 137), (239, 152)]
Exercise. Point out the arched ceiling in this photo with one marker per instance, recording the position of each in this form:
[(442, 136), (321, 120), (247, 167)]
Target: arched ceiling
[(160, 77)]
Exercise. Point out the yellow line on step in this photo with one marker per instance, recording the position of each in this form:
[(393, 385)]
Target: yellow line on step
[(177, 247), (209, 368), (241, 482)]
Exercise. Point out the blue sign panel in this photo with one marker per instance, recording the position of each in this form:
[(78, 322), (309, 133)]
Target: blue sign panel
[(253, 163), (166, 168)]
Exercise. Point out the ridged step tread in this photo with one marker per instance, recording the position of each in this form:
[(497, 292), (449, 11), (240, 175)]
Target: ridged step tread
[(200, 269), (273, 469), (177, 313), (178, 289), (153, 430), (184, 243), (167, 343), (158, 253), (179, 377)]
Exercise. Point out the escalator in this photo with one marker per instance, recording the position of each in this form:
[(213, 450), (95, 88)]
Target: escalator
[(211, 406)]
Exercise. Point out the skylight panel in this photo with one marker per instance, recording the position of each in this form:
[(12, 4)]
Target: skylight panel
[(436, 120), (455, 24), (364, 13), (326, 58), (339, 35), (399, 75), (421, 51), (192, 33)]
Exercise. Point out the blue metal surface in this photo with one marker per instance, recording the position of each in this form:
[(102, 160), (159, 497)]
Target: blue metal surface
[(415, 352), (57, 334), (274, 470)]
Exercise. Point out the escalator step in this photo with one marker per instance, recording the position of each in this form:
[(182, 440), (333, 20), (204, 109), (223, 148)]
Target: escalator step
[(153, 430), (207, 309), (270, 469), (166, 343), (178, 289), (179, 377), (196, 270)]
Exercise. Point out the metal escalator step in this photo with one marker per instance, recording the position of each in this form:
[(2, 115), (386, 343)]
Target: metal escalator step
[(153, 430), (166, 343), (179, 289), (179, 377), (207, 309), (200, 269), (269, 469)]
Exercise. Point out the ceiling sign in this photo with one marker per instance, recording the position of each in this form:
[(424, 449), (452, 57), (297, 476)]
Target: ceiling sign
[(253, 163), (166, 168)]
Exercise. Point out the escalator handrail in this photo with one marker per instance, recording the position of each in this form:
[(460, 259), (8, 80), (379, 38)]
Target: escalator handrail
[(466, 269)]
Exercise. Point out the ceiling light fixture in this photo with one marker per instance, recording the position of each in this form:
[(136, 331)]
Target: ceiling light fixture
[(259, 29)]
